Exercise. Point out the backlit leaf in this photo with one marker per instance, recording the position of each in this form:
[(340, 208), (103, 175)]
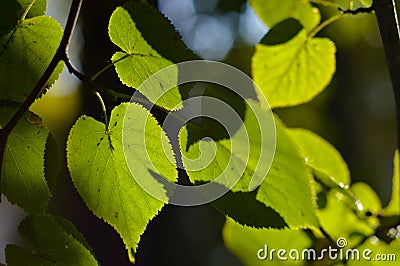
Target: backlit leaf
[(139, 60), (293, 72), (288, 187), (244, 156), (100, 172), (338, 206), (12, 10), (274, 11), (321, 155)]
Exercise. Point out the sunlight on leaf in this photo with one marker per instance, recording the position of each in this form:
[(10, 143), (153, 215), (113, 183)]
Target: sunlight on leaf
[(274, 11), (288, 187), (98, 168), (321, 155), (234, 157), (139, 60), (294, 72)]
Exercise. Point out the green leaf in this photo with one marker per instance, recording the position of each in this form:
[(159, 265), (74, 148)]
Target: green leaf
[(246, 243), (50, 240), (97, 161), (393, 208), (139, 60), (245, 209), (25, 53), (366, 3), (368, 197), (12, 10), (274, 11), (288, 188), (230, 158), (321, 155), (282, 32), (23, 179), (158, 31), (337, 209), (294, 72), (378, 253)]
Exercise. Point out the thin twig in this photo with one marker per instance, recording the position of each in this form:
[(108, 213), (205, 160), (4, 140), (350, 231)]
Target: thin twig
[(27, 10), (61, 51), (324, 24)]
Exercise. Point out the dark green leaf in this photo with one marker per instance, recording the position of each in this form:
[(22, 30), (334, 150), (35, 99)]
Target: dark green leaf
[(321, 155), (244, 208), (282, 32), (25, 53), (242, 155), (23, 179), (50, 240), (12, 10), (145, 54)]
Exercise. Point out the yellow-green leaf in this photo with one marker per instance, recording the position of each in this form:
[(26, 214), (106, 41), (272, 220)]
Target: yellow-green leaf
[(294, 72), (97, 161), (274, 11)]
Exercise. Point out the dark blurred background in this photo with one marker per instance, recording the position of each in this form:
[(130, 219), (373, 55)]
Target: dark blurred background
[(356, 113)]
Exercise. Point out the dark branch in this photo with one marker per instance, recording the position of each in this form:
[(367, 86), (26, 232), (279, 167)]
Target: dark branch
[(60, 54), (356, 11), (82, 77), (386, 15)]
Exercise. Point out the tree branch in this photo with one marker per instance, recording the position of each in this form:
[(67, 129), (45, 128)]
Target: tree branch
[(59, 55), (386, 15)]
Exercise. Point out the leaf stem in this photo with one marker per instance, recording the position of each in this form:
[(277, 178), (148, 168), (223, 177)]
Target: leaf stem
[(101, 71), (60, 53), (325, 3), (27, 10), (103, 107), (386, 15), (324, 24)]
